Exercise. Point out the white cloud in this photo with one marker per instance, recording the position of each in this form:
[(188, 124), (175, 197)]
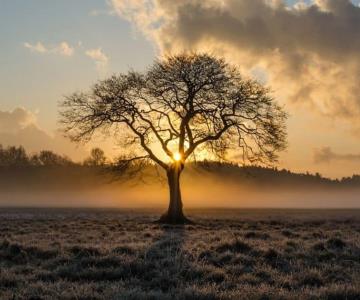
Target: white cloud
[(62, 48), (100, 58), (65, 49), (38, 47)]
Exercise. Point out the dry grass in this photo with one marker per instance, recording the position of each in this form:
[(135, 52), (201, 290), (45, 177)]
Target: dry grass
[(243, 254)]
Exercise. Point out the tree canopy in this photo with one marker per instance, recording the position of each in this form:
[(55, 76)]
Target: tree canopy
[(185, 104)]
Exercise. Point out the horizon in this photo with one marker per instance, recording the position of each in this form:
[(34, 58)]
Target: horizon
[(52, 181), (112, 161)]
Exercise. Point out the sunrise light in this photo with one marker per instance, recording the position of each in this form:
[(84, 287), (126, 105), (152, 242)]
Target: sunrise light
[(177, 156)]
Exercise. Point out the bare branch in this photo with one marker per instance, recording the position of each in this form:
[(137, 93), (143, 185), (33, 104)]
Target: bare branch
[(189, 103)]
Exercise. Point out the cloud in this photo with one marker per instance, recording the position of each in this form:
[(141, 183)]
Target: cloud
[(62, 48), (65, 49), (20, 127), (38, 47), (309, 52), (326, 155), (100, 58), (13, 121)]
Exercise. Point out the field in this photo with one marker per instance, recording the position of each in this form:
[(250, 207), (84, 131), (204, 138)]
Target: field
[(227, 254)]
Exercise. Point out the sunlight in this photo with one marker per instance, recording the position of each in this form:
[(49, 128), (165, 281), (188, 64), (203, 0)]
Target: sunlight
[(177, 156)]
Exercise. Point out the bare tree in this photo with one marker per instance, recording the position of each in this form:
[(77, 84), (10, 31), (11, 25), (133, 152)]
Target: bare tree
[(182, 107), (97, 158), (13, 156), (48, 158)]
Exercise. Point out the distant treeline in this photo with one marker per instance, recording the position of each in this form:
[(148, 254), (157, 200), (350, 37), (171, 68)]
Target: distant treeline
[(15, 160), (278, 177), (15, 157), (49, 170)]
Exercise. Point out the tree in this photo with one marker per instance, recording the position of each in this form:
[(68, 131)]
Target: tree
[(97, 158), (50, 159), (13, 156), (181, 108)]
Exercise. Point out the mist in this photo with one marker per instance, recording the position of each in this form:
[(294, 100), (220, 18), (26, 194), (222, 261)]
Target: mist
[(200, 188)]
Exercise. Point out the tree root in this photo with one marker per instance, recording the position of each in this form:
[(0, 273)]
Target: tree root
[(177, 220)]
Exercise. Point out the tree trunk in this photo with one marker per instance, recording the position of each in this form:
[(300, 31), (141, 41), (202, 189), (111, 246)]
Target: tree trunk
[(174, 214)]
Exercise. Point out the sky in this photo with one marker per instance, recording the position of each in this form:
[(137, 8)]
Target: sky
[(307, 52)]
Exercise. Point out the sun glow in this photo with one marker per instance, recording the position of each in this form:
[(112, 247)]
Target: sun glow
[(177, 156)]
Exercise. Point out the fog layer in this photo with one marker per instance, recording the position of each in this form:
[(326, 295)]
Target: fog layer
[(200, 188)]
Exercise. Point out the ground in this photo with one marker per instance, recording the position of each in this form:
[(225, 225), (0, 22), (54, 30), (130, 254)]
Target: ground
[(227, 254)]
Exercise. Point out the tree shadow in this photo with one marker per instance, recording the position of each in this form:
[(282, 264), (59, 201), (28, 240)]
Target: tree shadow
[(170, 262)]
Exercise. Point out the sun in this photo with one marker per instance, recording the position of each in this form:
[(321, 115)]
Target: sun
[(177, 156)]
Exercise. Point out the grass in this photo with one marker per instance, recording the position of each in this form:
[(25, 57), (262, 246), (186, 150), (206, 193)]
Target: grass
[(235, 254)]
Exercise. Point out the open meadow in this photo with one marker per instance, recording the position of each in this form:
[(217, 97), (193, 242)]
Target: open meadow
[(227, 254)]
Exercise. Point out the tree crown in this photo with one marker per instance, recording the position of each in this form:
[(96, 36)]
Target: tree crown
[(181, 106)]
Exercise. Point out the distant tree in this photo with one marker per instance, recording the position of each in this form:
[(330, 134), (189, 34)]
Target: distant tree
[(183, 107), (13, 157), (353, 180), (49, 158), (97, 158)]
